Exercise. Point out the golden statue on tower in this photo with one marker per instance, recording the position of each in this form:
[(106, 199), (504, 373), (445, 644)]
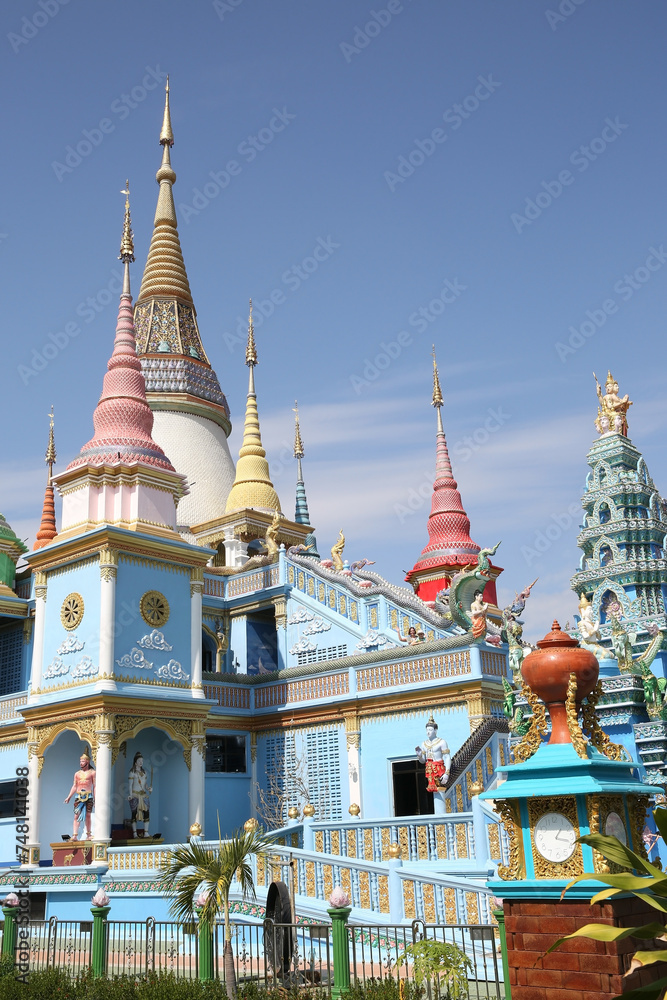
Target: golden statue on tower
[(612, 415)]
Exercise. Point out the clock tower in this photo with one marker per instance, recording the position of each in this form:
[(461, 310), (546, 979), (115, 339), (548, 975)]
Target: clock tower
[(554, 793)]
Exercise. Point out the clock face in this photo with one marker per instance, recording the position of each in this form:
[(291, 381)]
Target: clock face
[(615, 827), (555, 837)]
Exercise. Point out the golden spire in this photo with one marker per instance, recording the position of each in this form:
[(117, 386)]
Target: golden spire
[(251, 350), (166, 134), (252, 485), (165, 273), (127, 242), (437, 392), (298, 443), (50, 457)]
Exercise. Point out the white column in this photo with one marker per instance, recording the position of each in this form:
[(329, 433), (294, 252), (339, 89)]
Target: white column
[(354, 766), (38, 633), (102, 827), (32, 810), (108, 560), (196, 590), (196, 786)]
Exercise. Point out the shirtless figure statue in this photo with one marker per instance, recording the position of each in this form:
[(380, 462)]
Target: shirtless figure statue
[(434, 752), (83, 790)]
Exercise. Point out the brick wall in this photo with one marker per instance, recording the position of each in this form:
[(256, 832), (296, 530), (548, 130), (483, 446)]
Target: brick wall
[(580, 969)]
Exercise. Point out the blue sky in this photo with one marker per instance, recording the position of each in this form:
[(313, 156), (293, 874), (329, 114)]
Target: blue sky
[(476, 174)]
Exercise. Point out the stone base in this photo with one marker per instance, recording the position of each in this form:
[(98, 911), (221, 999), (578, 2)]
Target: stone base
[(580, 969)]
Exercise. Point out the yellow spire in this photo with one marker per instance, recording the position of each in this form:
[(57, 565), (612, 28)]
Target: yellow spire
[(298, 443), (165, 273), (166, 134), (127, 242), (437, 392), (252, 483), (251, 350), (50, 457)]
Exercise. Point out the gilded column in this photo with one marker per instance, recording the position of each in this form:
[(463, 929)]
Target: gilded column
[(38, 643), (108, 571), (104, 729), (197, 776), (196, 591)]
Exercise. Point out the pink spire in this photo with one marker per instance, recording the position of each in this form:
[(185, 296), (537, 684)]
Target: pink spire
[(123, 419), (448, 525)]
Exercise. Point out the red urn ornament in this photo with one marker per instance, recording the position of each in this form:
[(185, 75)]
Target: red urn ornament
[(547, 671)]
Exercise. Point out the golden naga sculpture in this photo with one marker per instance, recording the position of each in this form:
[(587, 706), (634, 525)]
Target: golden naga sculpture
[(612, 410), (337, 552), (271, 537)]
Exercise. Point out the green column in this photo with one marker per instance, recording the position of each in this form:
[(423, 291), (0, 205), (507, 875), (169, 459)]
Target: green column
[(500, 917), (205, 948), (9, 935), (99, 940), (341, 951)]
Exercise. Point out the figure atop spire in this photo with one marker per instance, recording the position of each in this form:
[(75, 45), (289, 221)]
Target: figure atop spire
[(612, 415), (47, 529), (450, 546), (123, 419), (252, 483)]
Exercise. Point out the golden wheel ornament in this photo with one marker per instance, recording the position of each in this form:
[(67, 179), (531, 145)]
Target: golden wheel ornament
[(154, 608), (71, 611)]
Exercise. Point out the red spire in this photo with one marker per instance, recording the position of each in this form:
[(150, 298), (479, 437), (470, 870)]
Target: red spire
[(448, 526), (47, 529)]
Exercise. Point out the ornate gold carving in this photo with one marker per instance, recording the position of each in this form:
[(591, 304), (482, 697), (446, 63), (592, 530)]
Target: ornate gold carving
[(489, 761), (595, 733), (403, 841), (253, 748), (353, 731), (385, 841), (319, 841), (572, 715), (459, 799), (448, 804), (327, 877), (280, 604), (383, 893), (599, 807), (71, 611), (365, 890), (311, 587), (34, 855), (40, 585), (567, 805), (472, 907), (409, 899), (637, 807), (346, 881), (516, 868), (27, 630), (368, 845), (501, 752), (450, 906), (183, 731), (441, 841), (335, 841), (429, 903), (373, 617), (353, 611), (461, 841), (108, 564), (320, 592), (422, 843), (154, 608), (261, 870), (494, 840), (310, 878), (531, 741), (351, 845)]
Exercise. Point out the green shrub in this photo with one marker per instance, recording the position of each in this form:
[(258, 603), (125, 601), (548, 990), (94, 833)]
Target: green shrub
[(440, 963), (385, 989)]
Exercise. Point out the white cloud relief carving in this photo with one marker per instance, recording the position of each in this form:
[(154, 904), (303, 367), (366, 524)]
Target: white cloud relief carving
[(155, 640), (317, 625), (56, 668), (172, 671), (135, 658), (85, 668), (72, 644)]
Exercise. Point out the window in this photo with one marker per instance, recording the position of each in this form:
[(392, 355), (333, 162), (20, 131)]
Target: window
[(7, 799), (316, 655), (11, 647), (226, 754)]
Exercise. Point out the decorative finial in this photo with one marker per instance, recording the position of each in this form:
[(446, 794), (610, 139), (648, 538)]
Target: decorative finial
[(251, 350), (298, 443), (613, 409), (437, 392), (166, 134), (50, 457), (127, 242)]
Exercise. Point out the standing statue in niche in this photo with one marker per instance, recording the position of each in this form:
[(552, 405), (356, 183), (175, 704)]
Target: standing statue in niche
[(83, 790), (434, 752), (140, 790)]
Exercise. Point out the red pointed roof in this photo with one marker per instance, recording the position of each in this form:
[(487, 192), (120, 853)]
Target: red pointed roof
[(123, 419), (47, 529), (448, 526)]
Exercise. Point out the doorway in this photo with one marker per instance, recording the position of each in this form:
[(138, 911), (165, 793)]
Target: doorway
[(410, 795)]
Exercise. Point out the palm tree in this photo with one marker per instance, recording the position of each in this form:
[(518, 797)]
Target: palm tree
[(194, 867)]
